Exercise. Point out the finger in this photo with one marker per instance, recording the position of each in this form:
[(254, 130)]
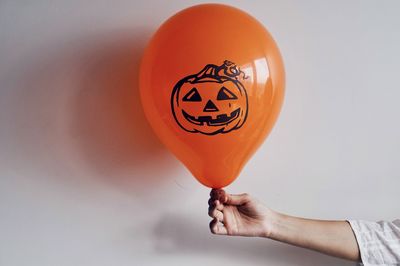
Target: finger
[(212, 202), (239, 199), (217, 228), (218, 205), (214, 213), (215, 203)]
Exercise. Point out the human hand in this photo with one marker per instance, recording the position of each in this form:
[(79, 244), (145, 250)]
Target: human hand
[(242, 215), (238, 215)]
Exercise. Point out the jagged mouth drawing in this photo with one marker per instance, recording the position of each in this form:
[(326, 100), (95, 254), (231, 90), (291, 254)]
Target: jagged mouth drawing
[(220, 120)]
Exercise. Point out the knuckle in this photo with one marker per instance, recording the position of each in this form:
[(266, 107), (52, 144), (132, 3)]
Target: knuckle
[(246, 196), (210, 202), (212, 227), (211, 212)]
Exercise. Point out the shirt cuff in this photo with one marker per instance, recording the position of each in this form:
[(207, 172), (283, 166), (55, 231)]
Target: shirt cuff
[(375, 242)]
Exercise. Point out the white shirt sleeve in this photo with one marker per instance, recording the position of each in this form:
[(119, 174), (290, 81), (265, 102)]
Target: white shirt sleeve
[(379, 242)]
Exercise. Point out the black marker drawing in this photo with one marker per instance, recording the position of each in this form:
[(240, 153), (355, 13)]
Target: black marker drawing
[(212, 101)]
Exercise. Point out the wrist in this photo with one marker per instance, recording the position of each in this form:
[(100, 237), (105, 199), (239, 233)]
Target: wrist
[(271, 224)]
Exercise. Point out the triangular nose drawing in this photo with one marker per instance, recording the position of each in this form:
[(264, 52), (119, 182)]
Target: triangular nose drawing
[(210, 107)]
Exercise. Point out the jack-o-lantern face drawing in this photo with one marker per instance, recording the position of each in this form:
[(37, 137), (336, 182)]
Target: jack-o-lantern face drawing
[(212, 101)]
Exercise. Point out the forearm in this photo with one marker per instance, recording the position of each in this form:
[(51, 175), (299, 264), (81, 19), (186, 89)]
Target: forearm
[(334, 238)]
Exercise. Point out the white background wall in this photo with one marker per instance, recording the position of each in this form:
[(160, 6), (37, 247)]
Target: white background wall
[(83, 181)]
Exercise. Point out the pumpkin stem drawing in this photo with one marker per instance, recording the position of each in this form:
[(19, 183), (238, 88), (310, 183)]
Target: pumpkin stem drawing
[(212, 101)]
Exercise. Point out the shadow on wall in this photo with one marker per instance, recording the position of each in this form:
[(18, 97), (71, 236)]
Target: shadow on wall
[(114, 135), (178, 234), (77, 114)]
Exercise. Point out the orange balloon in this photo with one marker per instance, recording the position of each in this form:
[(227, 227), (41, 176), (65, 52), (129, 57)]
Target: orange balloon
[(212, 86)]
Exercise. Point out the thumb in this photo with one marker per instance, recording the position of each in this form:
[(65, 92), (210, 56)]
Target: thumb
[(238, 199)]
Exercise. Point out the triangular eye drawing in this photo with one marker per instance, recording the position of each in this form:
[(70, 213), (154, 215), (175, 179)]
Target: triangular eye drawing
[(225, 94), (192, 96)]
